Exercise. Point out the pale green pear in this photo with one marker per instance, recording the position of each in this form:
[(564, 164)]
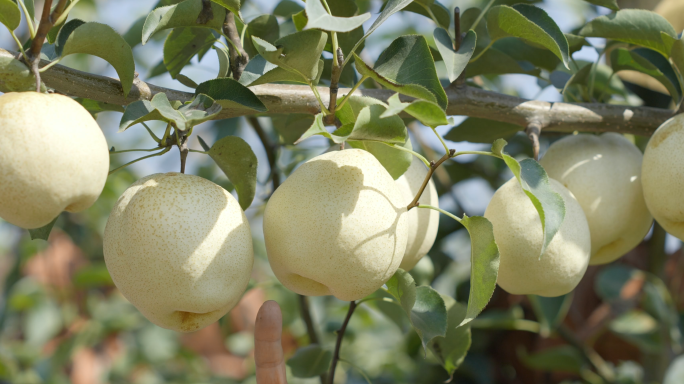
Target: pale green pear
[(179, 248), (422, 223), (604, 174), (662, 176), (337, 226), (53, 158), (518, 234)]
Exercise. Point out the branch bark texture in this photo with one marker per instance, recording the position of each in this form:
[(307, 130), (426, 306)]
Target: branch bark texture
[(465, 100)]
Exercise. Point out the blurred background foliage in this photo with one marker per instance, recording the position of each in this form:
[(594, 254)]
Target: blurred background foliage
[(63, 321)]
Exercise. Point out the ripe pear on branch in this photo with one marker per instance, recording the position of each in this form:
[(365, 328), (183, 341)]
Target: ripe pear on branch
[(337, 226), (519, 236), (53, 158), (179, 248), (604, 174)]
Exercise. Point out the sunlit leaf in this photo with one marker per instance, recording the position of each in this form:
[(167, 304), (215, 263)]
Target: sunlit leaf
[(455, 61), (319, 18), (183, 14), (310, 361), (647, 62), (10, 15), (237, 160), (495, 62), (183, 44), (231, 94), (451, 349), (299, 52), (264, 27), (426, 112)]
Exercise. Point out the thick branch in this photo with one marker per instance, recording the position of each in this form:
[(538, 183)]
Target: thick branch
[(238, 56), (467, 101)]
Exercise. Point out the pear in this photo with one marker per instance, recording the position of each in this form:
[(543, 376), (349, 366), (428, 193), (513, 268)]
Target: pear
[(179, 248), (604, 174), (423, 223), (518, 234), (53, 158), (662, 176), (336, 226)]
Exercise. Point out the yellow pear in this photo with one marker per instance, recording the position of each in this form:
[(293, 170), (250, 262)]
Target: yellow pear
[(53, 158), (604, 174), (518, 233), (337, 226), (662, 176), (179, 248), (422, 223)]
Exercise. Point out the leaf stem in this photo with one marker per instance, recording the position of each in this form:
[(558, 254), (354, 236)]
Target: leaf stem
[(50, 65), (481, 15), (142, 158), (441, 211), (356, 86), (29, 20), (414, 153), (481, 52), (21, 49), (198, 151), (446, 148), (65, 14), (338, 344), (318, 97), (134, 150), (431, 170), (154, 137)]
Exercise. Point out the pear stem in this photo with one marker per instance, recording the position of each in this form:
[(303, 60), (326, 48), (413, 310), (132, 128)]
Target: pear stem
[(338, 344)]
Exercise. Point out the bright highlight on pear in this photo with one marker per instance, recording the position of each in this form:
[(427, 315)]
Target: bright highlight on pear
[(604, 174), (422, 223), (663, 176), (53, 158), (337, 226), (518, 233), (179, 248)]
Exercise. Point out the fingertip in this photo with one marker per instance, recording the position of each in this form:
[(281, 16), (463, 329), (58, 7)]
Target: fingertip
[(269, 321)]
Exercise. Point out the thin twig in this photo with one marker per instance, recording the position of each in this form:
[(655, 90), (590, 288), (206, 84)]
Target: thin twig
[(433, 165), (338, 344), (238, 56), (182, 143), (270, 149), (533, 130)]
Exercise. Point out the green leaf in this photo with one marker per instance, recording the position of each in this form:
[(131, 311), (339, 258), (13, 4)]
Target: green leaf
[(299, 52), (647, 62), (407, 67), (203, 143), (426, 112), (478, 130), (550, 311), (391, 7), (264, 27), (616, 282), (610, 4), (199, 110), (224, 61), (451, 349), (93, 276), (15, 76), (10, 15), (183, 14), (231, 5), (441, 13), (388, 306), (565, 358), (370, 125), (237, 160), (429, 314), (402, 286), (182, 44), (134, 34), (495, 62), (633, 26), (291, 126), (230, 94), (639, 328), (348, 76), (576, 42), (287, 8), (310, 361), (677, 55), (319, 18), (94, 106), (202, 108), (299, 19), (530, 24), (63, 34), (520, 51), (535, 183), (345, 40), (604, 81), (395, 161), (259, 71), (455, 61), (30, 7), (484, 269), (43, 232), (102, 41)]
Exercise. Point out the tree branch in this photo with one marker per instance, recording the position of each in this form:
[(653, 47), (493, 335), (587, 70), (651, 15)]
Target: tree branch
[(338, 344), (467, 101), (238, 56)]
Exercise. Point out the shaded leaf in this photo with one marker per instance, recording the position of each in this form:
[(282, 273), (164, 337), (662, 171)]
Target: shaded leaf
[(291, 126), (237, 160), (619, 282), (610, 4), (604, 81), (633, 26), (647, 62), (391, 7), (310, 361), (426, 112), (484, 269), (550, 311), (299, 52), (535, 183), (259, 71), (231, 94), (451, 349), (441, 13), (455, 61), (264, 27), (64, 34), (478, 130), (231, 5), (10, 15), (520, 51), (406, 66), (429, 315), (565, 358), (43, 232), (287, 8), (202, 108), (638, 328), (402, 286), (94, 106), (102, 41), (319, 18), (495, 62), (182, 44), (530, 24), (183, 14), (224, 61), (347, 77)]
